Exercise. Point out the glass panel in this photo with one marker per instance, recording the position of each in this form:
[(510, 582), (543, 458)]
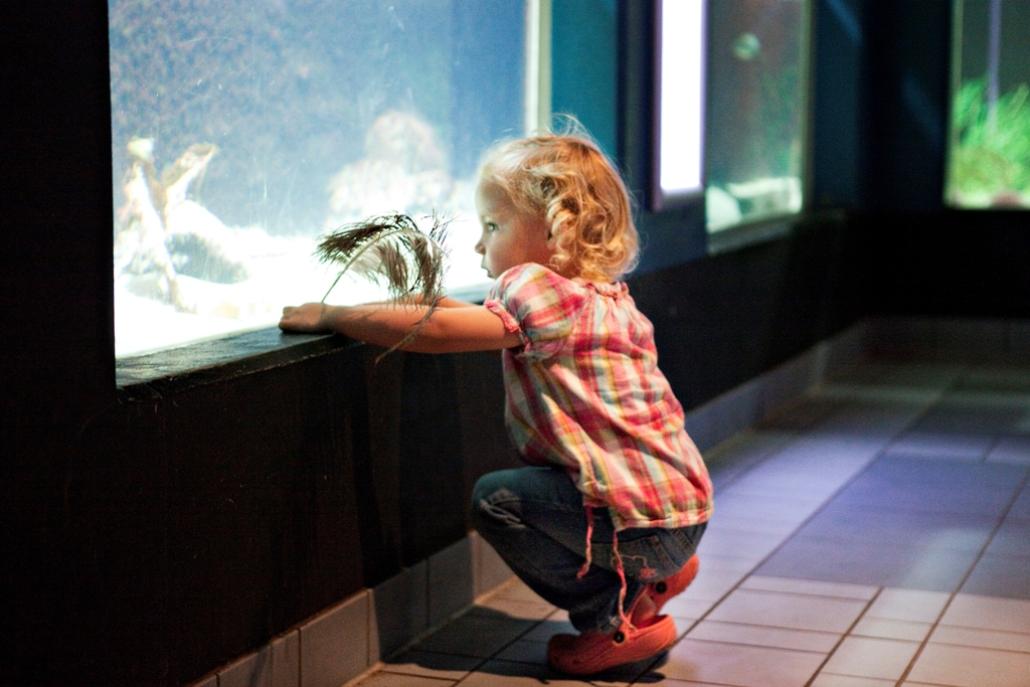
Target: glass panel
[(989, 151), (757, 91), (681, 98), (243, 130)]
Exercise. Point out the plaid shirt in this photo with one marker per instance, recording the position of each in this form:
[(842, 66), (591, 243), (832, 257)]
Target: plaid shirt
[(584, 392)]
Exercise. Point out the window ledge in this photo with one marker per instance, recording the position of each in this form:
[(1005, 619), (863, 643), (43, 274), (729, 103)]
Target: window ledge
[(767, 229), (742, 235), (158, 374)]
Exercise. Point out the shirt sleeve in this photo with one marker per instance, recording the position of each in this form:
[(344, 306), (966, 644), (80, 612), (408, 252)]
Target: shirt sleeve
[(537, 304)]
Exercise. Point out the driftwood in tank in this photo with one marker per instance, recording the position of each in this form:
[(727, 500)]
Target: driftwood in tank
[(162, 233)]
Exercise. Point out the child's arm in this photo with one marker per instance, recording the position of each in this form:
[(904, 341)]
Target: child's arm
[(416, 299), (444, 302), (448, 329), (448, 302)]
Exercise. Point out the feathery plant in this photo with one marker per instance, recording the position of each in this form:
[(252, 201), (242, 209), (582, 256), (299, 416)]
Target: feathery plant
[(392, 249)]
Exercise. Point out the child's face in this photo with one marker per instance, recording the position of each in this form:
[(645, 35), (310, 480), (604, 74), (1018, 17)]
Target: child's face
[(508, 239)]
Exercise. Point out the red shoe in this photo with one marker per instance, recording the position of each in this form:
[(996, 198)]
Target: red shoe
[(663, 590), (594, 652)]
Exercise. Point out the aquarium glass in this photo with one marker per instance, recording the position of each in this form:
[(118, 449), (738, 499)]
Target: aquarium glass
[(756, 110), (242, 131), (989, 147)]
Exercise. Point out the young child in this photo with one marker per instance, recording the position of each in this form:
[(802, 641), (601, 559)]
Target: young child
[(606, 519)]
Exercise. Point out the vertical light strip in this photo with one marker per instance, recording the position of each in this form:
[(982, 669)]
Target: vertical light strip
[(807, 71), (538, 65), (954, 85), (682, 96)]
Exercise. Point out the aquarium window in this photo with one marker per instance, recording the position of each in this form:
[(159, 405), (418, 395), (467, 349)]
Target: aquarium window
[(756, 109), (241, 132), (989, 142), (679, 101)]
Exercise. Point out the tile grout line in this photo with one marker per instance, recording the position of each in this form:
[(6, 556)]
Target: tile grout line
[(1017, 652), (845, 635), (1015, 633), (883, 454), (933, 627)]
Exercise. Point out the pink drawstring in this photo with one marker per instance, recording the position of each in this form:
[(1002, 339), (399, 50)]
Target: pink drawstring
[(616, 560), (623, 586), (590, 533)]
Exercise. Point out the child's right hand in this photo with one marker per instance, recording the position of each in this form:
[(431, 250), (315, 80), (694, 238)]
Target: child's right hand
[(309, 317)]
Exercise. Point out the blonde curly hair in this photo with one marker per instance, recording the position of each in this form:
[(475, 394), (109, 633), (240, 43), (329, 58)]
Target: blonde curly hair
[(566, 181)]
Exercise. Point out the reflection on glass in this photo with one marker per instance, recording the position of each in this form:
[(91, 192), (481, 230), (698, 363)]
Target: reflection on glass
[(989, 151), (242, 131), (756, 110)]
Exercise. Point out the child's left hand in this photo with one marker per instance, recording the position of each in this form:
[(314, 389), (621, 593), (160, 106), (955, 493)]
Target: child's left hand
[(309, 317)]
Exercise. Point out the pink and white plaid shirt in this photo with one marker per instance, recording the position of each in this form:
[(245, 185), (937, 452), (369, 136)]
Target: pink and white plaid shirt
[(584, 392)]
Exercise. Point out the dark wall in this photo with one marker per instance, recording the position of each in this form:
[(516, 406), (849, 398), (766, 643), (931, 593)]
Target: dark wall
[(840, 127), (908, 57), (929, 260), (949, 263), (149, 535), (727, 319), (195, 525)]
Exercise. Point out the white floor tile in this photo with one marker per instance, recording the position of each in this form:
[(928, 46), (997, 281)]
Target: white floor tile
[(989, 613), (828, 680), (984, 639), (959, 666), (885, 659), (792, 611), (914, 605), (511, 674), (757, 635), (884, 628), (811, 587), (741, 666)]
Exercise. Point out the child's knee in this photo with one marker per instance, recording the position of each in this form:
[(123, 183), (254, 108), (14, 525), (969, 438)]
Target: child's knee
[(492, 502), (488, 486)]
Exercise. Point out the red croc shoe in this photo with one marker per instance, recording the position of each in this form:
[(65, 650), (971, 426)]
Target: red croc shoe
[(663, 590), (594, 652)]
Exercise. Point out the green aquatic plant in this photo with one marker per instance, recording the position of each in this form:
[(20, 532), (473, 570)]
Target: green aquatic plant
[(395, 250), (990, 155)]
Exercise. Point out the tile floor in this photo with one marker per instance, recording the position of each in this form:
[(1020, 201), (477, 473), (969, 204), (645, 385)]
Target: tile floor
[(877, 533)]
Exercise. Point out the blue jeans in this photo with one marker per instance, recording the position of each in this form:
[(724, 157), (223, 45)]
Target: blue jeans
[(534, 517)]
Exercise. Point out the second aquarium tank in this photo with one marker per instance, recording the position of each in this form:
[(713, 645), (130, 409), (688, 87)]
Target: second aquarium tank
[(989, 146), (756, 110)]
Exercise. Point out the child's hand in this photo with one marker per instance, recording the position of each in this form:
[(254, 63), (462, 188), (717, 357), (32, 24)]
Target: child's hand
[(309, 317)]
